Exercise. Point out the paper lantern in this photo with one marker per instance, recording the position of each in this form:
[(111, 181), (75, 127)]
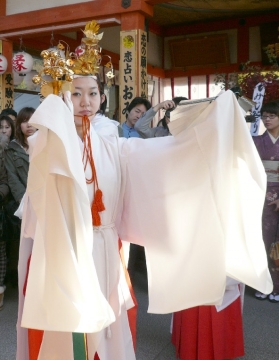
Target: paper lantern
[(3, 64), (22, 63)]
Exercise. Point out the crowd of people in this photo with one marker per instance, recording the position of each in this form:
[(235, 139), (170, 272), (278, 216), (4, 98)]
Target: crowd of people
[(82, 189), (14, 131)]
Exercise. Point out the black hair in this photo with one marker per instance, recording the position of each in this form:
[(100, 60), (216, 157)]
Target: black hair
[(9, 111), (11, 123), (163, 122), (103, 105), (138, 101), (271, 107), (23, 116), (177, 99)]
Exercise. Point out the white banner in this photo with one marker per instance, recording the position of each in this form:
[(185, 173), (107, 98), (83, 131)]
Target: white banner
[(258, 96)]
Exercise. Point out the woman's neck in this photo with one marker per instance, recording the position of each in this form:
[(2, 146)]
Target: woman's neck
[(25, 146)]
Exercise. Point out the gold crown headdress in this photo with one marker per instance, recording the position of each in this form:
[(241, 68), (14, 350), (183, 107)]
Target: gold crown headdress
[(62, 70)]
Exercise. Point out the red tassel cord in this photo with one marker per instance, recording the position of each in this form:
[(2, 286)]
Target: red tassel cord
[(97, 205)]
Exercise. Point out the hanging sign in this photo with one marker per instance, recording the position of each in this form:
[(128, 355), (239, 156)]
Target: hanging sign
[(142, 73), (258, 96), (7, 96), (6, 87), (133, 68), (128, 70)]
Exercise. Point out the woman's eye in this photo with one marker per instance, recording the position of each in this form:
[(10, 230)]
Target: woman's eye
[(93, 94), (76, 94)]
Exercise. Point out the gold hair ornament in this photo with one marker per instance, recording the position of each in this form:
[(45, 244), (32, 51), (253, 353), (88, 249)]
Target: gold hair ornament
[(62, 70), (54, 66), (89, 61)]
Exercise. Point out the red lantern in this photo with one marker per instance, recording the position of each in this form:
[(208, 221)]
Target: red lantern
[(3, 64), (22, 63)]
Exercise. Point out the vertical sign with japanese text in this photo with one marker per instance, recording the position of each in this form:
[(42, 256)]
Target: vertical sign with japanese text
[(142, 69), (258, 96), (6, 88), (133, 68), (7, 98), (127, 71)]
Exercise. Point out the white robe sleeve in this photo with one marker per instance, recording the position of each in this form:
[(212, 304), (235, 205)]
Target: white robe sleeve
[(195, 202)]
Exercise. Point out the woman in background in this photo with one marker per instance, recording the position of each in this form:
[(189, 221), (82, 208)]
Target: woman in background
[(17, 154), (7, 131), (268, 149), (17, 165), (7, 127)]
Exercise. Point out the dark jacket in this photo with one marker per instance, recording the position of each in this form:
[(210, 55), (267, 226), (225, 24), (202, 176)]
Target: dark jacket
[(17, 165), (4, 188)]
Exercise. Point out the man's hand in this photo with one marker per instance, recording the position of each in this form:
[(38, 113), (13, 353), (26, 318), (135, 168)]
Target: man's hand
[(167, 105)]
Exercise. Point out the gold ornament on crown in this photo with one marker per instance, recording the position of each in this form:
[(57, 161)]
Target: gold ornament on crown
[(54, 67), (62, 70)]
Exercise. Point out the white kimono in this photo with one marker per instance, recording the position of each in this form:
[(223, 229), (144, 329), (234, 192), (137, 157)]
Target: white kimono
[(193, 200)]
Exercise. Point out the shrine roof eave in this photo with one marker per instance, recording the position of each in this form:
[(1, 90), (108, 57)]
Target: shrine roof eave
[(67, 18)]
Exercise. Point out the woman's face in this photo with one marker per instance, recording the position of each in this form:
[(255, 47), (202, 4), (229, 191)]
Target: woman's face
[(5, 128), (27, 129), (86, 98)]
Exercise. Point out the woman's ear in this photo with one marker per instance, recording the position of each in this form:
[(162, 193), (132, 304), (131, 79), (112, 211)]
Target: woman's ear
[(103, 98)]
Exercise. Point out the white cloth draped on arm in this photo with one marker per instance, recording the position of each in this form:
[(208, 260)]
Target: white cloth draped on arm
[(199, 198)]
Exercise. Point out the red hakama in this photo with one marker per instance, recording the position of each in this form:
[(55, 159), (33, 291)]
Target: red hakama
[(202, 333)]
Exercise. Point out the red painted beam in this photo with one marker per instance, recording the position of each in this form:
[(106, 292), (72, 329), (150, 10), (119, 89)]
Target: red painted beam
[(132, 21), (67, 14), (156, 2)]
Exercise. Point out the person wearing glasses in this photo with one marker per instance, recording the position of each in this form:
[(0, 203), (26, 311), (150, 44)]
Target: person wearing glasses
[(268, 149)]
